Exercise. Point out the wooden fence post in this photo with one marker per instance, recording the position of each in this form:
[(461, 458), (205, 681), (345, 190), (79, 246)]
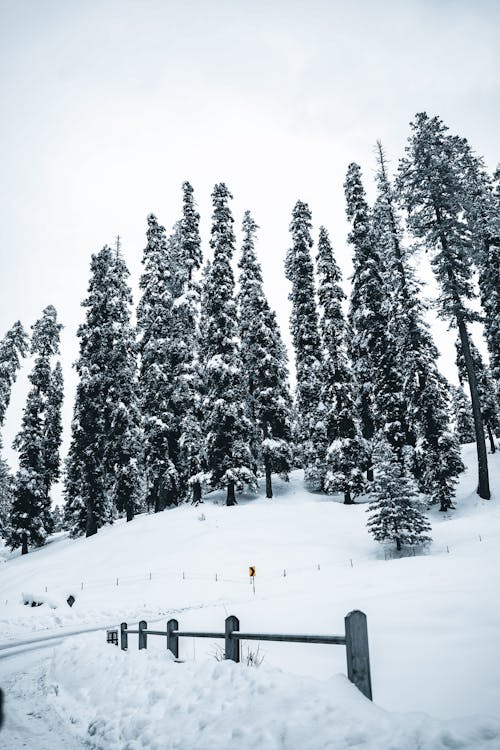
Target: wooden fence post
[(358, 658), (143, 637), (172, 639), (232, 644), (123, 636)]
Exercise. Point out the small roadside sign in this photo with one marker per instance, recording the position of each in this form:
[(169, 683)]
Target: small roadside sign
[(251, 571)]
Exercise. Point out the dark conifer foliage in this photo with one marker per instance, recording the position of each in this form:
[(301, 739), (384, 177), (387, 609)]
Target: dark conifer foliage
[(367, 311), (432, 190), (103, 464), (345, 454), (486, 390), (396, 511), (264, 361), (40, 435), (304, 326), (227, 423), (430, 448), (154, 315)]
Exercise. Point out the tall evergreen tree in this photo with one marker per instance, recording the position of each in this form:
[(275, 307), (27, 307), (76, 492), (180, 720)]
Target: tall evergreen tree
[(431, 449), (304, 326), (431, 187), (264, 363), (396, 511), (227, 423), (153, 323), (13, 347), (482, 212), (367, 311), (53, 429), (486, 390), (31, 519), (123, 453), (345, 455)]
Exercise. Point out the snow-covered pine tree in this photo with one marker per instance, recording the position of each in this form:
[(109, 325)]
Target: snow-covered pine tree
[(367, 309), (396, 510), (53, 429), (431, 188), (227, 424), (191, 447), (31, 519), (482, 211), (264, 362), (464, 424), (432, 451), (345, 455), (123, 451), (13, 347), (486, 390), (304, 327), (153, 323)]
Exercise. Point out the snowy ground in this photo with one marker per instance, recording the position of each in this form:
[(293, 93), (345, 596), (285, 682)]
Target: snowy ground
[(432, 619)]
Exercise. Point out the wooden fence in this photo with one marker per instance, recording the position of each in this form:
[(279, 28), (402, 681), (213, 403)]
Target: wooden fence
[(355, 640)]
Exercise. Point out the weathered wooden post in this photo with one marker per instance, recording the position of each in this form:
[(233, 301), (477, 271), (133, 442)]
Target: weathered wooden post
[(172, 638), (358, 658), (232, 644), (143, 637), (123, 636)]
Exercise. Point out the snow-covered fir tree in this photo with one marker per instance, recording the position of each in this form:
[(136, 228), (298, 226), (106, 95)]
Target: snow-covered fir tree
[(264, 361), (304, 327), (482, 212), (462, 414), (13, 347), (431, 188), (367, 311), (188, 452), (397, 513), (226, 420), (153, 324), (431, 449), (38, 440), (345, 454), (486, 390), (102, 467), (123, 449)]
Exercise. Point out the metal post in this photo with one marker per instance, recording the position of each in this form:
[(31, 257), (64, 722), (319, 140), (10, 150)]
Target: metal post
[(123, 636), (232, 644), (172, 639), (143, 637), (358, 658)]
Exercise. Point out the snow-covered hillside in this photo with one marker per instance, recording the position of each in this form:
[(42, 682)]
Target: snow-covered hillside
[(432, 620)]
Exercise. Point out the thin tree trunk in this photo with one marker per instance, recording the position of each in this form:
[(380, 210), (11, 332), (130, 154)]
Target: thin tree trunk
[(269, 484), (130, 512), (91, 526), (491, 438), (483, 488), (24, 543), (231, 497), (196, 494), (348, 498)]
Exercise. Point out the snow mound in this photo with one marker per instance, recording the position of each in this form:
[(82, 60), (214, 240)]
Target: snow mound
[(132, 700)]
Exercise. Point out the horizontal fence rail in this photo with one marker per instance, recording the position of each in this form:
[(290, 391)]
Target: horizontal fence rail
[(355, 640)]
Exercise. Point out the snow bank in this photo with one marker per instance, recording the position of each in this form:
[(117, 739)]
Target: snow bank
[(136, 700)]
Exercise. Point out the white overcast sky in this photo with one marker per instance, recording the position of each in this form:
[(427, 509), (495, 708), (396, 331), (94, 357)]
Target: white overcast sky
[(106, 107)]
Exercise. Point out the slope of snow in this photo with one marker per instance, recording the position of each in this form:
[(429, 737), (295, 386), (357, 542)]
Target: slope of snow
[(432, 619)]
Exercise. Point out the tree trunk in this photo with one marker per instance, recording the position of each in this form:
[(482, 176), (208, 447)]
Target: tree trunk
[(231, 497), (398, 544), (483, 488), (196, 493), (91, 526), (491, 438), (347, 498), (369, 471), (269, 484), (130, 512), (24, 543)]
